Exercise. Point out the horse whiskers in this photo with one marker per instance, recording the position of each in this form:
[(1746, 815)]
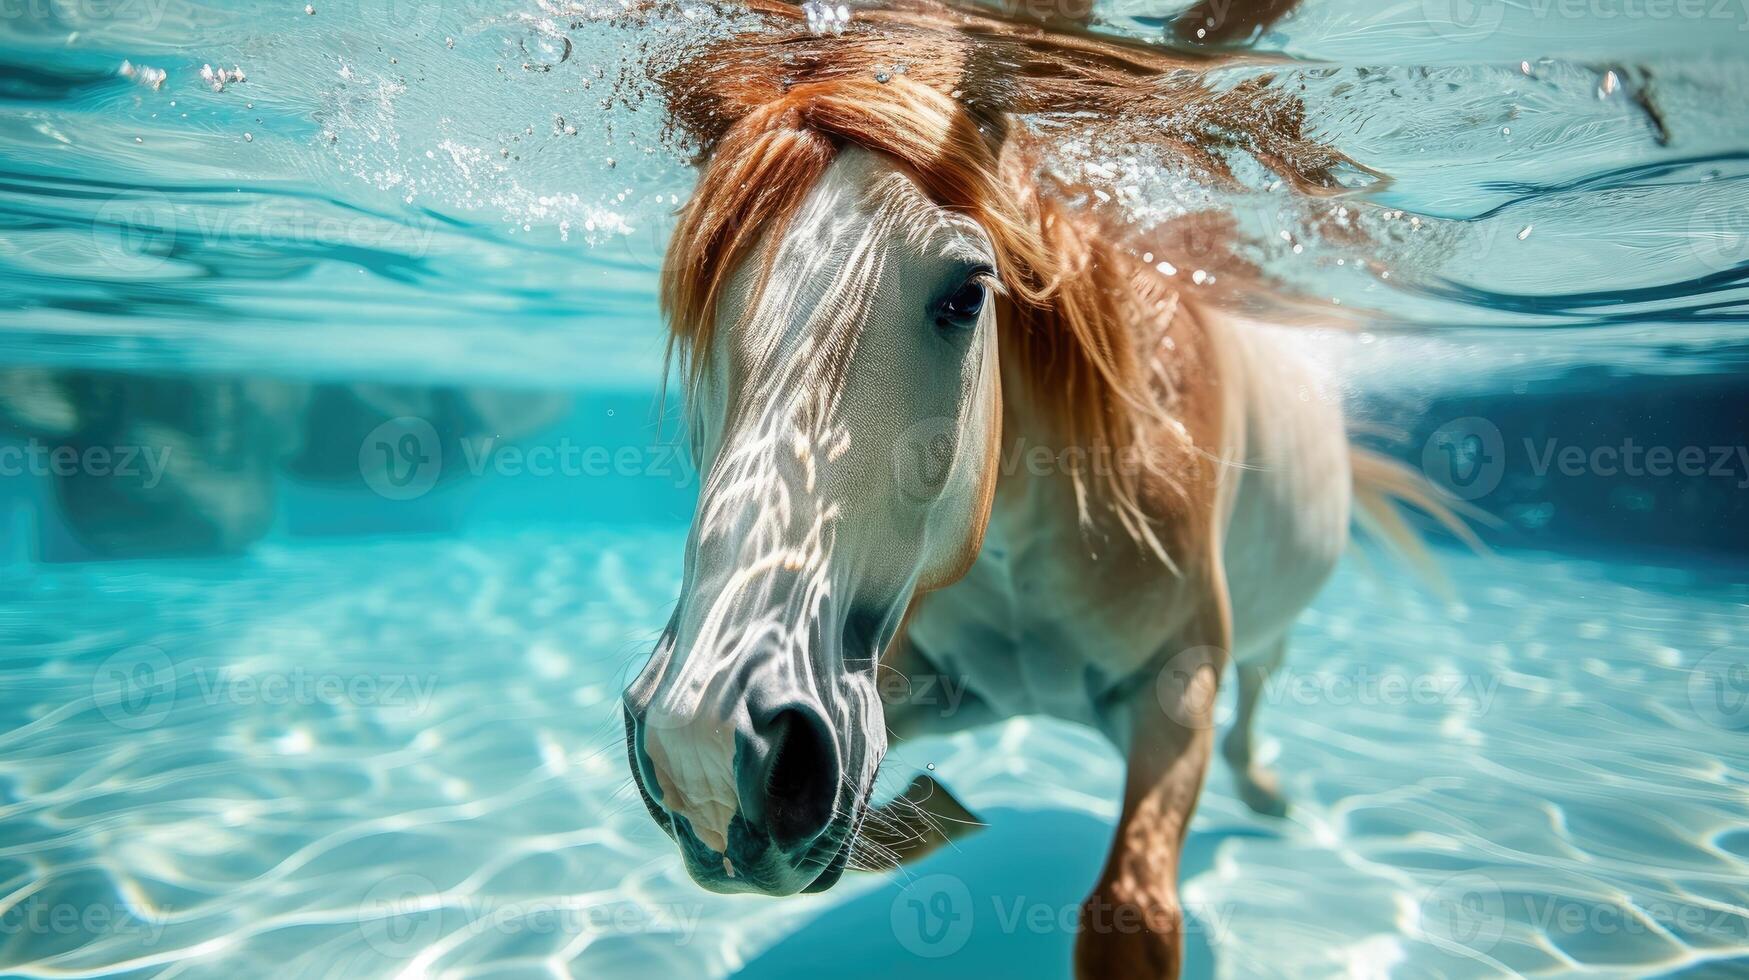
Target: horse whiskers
[(869, 854), (886, 833), (926, 819)]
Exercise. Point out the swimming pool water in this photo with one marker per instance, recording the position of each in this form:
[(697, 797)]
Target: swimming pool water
[(364, 759), (482, 191), (379, 735)]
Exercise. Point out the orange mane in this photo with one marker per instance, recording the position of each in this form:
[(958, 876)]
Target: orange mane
[(942, 92)]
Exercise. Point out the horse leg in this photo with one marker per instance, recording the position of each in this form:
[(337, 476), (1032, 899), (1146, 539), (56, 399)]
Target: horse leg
[(920, 699), (1258, 785), (1132, 925)]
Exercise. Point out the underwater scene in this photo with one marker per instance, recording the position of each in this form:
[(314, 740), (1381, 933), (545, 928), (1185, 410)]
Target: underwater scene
[(354, 492)]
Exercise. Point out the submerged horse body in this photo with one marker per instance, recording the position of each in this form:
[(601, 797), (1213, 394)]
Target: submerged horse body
[(955, 429), (1046, 623)]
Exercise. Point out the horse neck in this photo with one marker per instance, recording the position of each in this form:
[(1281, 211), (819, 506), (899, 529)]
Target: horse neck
[(1194, 376)]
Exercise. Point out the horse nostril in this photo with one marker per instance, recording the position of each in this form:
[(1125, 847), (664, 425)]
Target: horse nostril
[(800, 775)]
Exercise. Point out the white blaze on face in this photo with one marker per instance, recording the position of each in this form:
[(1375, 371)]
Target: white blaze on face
[(815, 407), (693, 762)]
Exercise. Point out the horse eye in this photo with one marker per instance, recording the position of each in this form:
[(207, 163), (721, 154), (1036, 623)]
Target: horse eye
[(963, 307)]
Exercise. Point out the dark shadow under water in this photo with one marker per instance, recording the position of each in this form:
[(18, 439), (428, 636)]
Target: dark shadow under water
[(1025, 867)]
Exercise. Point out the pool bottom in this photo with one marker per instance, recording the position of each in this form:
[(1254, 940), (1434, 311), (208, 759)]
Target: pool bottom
[(403, 757)]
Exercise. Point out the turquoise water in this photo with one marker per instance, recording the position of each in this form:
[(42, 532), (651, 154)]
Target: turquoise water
[(1553, 775), (293, 715)]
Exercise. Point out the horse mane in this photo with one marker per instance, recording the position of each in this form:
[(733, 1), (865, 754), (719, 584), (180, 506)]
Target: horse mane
[(963, 101)]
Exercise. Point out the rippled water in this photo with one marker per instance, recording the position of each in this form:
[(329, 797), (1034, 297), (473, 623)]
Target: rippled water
[(1532, 782), (342, 753), (481, 188)]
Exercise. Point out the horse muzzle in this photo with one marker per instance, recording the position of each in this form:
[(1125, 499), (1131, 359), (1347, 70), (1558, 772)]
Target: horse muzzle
[(756, 801)]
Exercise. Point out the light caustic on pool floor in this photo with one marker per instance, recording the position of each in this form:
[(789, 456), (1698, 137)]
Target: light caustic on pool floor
[(372, 759)]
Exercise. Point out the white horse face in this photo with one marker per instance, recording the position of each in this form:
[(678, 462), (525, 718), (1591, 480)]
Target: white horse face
[(846, 423)]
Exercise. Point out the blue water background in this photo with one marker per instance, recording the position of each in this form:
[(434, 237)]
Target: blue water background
[(395, 197)]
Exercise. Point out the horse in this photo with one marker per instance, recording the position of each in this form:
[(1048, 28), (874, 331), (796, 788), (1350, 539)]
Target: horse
[(955, 428)]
